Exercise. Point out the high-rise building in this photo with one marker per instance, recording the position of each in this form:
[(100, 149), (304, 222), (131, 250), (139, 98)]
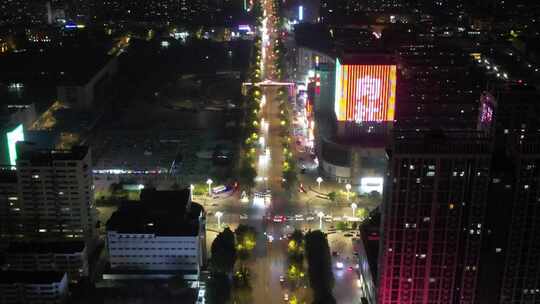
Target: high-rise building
[(521, 274), (510, 261), (10, 208), (55, 193), (433, 217)]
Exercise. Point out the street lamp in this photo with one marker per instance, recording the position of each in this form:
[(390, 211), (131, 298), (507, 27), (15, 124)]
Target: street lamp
[(354, 206), (320, 215), (348, 187), (209, 183), (319, 181), (219, 214), (191, 188)]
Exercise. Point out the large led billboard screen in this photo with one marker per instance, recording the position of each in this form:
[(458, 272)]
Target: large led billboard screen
[(365, 92), (13, 137)]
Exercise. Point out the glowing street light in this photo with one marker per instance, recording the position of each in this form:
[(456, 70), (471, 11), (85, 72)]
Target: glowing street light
[(219, 214), (348, 187), (320, 215), (319, 181), (209, 183), (354, 206)]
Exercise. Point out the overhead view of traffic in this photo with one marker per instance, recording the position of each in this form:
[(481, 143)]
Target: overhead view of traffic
[(269, 151)]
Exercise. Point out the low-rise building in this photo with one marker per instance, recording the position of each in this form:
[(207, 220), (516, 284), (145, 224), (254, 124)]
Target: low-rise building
[(69, 256), (162, 236), (33, 287)]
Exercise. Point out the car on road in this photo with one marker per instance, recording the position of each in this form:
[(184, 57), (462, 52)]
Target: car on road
[(282, 279), (335, 253), (347, 235), (299, 217), (279, 218), (221, 189), (243, 216), (309, 218), (290, 218), (286, 297)]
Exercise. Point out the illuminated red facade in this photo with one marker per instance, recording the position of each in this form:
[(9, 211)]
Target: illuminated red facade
[(433, 218), (365, 92)]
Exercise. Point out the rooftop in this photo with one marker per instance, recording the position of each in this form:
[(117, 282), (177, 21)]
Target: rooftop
[(7, 175), (45, 247), (440, 142), (64, 64), (35, 157), (164, 213), (367, 58), (30, 277)]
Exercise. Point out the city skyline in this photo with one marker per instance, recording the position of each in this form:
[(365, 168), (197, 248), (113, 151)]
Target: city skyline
[(269, 151)]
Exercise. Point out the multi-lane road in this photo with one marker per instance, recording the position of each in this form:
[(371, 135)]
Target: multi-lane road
[(270, 257)]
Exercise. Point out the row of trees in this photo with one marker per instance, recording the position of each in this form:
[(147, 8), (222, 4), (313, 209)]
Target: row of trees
[(230, 275), (313, 250), (246, 172), (290, 176), (246, 168), (319, 263), (281, 52), (296, 273)]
